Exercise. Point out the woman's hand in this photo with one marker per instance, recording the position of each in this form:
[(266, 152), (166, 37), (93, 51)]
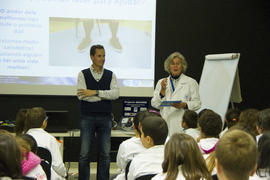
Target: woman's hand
[(163, 86), (180, 105)]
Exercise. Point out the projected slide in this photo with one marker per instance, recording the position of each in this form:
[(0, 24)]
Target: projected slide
[(45, 43)]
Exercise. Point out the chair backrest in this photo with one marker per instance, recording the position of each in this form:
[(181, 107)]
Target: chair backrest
[(146, 177), (214, 177), (127, 169), (46, 160), (28, 178)]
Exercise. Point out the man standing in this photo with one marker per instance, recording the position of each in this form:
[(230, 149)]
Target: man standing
[(96, 89)]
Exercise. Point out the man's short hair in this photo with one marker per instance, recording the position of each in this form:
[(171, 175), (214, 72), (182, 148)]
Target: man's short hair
[(190, 118), (93, 49), (210, 123), (264, 119), (156, 128), (35, 117), (237, 154)]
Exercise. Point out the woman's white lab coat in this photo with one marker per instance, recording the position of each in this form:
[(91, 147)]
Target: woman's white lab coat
[(186, 90)]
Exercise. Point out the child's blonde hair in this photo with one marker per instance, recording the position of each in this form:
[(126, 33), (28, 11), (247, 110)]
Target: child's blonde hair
[(237, 153), (23, 145)]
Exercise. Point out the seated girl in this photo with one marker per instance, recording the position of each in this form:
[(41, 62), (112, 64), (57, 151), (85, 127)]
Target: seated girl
[(183, 160), (30, 162)]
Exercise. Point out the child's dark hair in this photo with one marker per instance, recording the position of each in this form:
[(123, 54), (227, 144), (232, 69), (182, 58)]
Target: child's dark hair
[(203, 111), (264, 119), (190, 118), (156, 128), (210, 124), (232, 117), (139, 118), (20, 120)]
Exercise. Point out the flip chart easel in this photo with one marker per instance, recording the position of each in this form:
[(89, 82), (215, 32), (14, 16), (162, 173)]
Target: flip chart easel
[(219, 83)]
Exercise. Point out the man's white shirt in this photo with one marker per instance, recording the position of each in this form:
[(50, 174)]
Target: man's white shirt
[(111, 94)]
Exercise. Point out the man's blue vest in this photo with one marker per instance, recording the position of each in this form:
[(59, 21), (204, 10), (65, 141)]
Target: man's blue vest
[(103, 107)]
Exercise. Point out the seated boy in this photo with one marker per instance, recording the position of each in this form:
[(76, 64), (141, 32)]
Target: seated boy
[(129, 148), (154, 132), (210, 125), (189, 123), (36, 122), (236, 156)]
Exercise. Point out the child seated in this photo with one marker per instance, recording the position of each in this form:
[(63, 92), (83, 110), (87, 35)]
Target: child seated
[(210, 125), (248, 119), (35, 123), (231, 118), (236, 156), (183, 160), (30, 161), (154, 132), (129, 148), (21, 116), (189, 123), (10, 156), (263, 164), (263, 123)]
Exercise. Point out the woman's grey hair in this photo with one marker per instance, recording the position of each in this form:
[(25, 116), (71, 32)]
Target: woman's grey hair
[(169, 59)]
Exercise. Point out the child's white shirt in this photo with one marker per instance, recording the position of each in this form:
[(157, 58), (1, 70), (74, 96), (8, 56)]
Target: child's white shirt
[(128, 149), (37, 173), (223, 132), (147, 162), (258, 137), (207, 145), (46, 140), (193, 132), (263, 173), (162, 176)]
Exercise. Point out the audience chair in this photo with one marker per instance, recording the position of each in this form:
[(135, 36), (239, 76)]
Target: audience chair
[(214, 177), (46, 160), (127, 169), (145, 177)]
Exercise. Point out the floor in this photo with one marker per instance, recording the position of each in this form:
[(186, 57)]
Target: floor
[(73, 170)]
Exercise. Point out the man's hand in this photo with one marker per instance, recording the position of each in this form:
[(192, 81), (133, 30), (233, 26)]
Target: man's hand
[(86, 92), (179, 105)]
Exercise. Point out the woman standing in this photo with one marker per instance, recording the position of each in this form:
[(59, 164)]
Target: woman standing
[(176, 87)]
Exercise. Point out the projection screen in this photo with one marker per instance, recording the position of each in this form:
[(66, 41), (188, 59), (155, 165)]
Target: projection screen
[(45, 43)]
